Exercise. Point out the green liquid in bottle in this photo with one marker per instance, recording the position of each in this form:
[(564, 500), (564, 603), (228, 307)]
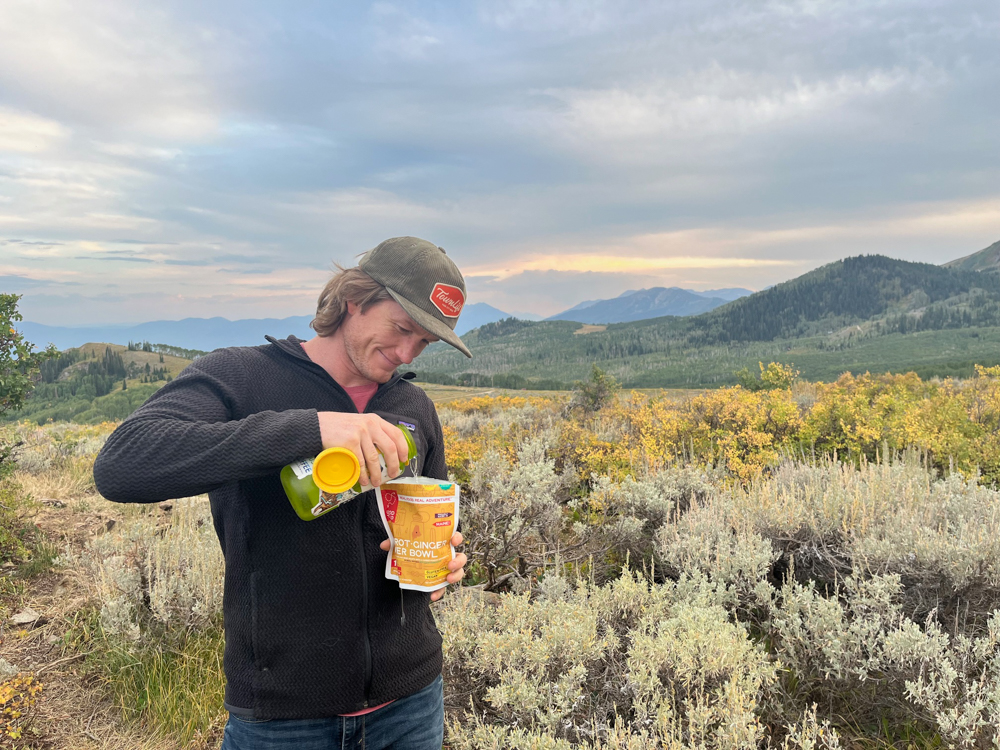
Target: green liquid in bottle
[(309, 501)]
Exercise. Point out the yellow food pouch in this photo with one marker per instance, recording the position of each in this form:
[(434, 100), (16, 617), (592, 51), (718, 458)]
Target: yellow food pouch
[(420, 515)]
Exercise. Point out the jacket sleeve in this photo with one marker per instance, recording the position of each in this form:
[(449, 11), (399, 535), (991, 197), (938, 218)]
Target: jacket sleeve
[(185, 441)]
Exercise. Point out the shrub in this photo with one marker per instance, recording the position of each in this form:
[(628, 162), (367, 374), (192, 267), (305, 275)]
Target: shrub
[(631, 664), (147, 573)]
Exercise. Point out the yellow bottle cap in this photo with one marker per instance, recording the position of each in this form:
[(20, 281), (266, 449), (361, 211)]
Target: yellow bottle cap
[(336, 469)]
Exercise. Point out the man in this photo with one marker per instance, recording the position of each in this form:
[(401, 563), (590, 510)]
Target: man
[(322, 650)]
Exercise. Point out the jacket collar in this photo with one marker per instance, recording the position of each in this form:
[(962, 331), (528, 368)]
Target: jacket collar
[(292, 346)]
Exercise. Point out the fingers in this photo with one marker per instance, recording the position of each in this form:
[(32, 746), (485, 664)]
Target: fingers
[(457, 539), (389, 439), (388, 449), (456, 567), (370, 467), (365, 435)]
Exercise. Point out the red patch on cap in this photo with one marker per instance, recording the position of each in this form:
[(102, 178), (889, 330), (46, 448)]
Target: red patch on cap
[(448, 299)]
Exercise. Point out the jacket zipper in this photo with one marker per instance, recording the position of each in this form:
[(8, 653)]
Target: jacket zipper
[(361, 521), (364, 604), (364, 564), (364, 571)]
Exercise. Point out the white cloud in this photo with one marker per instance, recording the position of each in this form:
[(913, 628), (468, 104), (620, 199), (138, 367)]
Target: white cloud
[(715, 107), (28, 133), (113, 64), (402, 35)]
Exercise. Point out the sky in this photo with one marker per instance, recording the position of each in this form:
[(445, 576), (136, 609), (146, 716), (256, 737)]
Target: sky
[(191, 159)]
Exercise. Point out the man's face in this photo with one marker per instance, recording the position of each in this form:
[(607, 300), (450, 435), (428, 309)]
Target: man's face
[(382, 338)]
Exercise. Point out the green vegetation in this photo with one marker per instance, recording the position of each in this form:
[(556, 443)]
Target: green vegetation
[(171, 683), (790, 565), (82, 409), (19, 368), (98, 383)]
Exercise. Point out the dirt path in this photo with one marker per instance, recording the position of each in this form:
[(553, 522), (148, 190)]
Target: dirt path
[(74, 712)]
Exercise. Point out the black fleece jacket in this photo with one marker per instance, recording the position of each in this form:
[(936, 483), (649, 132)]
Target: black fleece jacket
[(313, 628)]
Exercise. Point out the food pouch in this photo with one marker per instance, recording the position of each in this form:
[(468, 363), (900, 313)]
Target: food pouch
[(420, 515)]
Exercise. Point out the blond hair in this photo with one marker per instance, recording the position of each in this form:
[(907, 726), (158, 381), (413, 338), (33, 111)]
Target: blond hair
[(347, 285)]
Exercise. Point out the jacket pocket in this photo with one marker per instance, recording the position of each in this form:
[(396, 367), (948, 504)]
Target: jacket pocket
[(255, 619)]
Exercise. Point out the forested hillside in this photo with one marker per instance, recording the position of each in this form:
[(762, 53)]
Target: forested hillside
[(863, 313), (99, 382), (852, 291)]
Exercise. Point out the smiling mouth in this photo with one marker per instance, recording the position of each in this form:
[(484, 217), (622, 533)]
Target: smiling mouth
[(391, 363)]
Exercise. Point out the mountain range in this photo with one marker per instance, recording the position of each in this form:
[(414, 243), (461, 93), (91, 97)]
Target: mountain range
[(206, 334), (649, 303)]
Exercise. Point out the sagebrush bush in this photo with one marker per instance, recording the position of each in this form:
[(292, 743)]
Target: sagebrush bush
[(167, 572), (631, 664), (56, 460)]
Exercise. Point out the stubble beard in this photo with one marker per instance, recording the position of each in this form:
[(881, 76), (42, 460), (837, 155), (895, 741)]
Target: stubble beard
[(357, 356)]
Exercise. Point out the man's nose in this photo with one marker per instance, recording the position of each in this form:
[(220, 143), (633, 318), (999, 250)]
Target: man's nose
[(408, 351)]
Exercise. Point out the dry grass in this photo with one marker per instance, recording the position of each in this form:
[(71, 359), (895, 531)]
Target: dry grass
[(59, 500)]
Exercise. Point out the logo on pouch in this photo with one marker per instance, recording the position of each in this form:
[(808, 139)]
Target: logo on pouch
[(442, 515), (390, 501), (407, 425), (448, 299)]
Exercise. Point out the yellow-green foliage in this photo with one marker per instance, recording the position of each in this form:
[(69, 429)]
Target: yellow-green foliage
[(953, 424), (19, 697), (797, 597)]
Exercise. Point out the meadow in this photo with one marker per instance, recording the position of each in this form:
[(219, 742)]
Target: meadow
[(781, 564)]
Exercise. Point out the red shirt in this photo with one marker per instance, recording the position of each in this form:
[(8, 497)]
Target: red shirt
[(361, 395)]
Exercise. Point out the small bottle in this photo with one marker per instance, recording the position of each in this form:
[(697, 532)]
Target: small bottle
[(315, 486)]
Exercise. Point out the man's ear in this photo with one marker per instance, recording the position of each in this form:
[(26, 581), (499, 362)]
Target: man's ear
[(352, 309)]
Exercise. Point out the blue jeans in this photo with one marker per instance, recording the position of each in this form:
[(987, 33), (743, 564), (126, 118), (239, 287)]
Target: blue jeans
[(412, 723)]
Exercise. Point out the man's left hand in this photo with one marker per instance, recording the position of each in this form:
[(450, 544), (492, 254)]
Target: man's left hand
[(456, 566)]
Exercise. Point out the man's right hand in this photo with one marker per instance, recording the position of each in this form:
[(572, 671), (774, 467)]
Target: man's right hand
[(365, 435)]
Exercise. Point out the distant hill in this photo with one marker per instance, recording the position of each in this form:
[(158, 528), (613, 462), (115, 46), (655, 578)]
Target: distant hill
[(840, 293), (984, 260), (642, 304), (727, 294), (212, 333), (191, 333), (863, 313), (477, 314), (97, 383)]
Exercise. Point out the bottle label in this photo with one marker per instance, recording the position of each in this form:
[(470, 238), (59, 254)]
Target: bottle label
[(302, 468)]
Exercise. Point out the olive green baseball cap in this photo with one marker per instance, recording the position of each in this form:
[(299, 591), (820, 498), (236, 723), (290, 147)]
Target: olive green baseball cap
[(424, 281)]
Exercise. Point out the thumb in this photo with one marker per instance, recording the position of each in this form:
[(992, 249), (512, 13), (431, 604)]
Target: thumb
[(385, 545)]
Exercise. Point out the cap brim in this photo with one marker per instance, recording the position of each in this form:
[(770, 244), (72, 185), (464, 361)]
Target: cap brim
[(431, 324)]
